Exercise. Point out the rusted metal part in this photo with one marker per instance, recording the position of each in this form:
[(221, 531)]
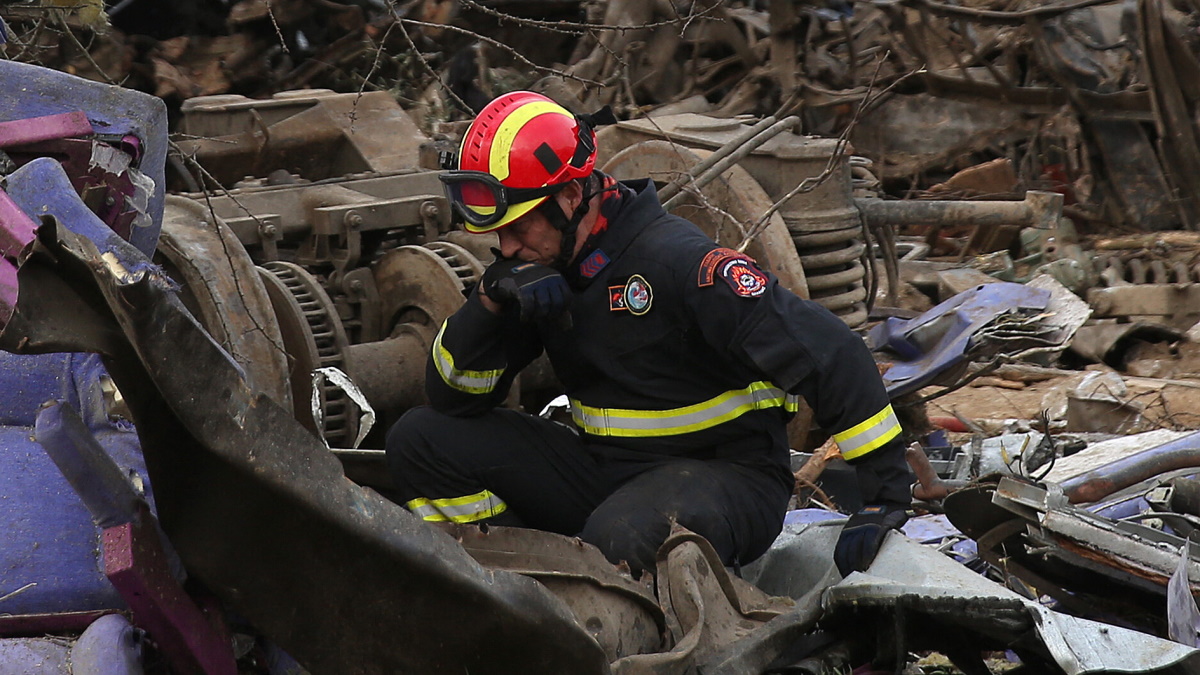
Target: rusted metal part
[(708, 611), (1174, 304), (1039, 209), (36, 625), (1099, 483), (621, 613), (260, 512), (322, 343), (726, 156), (929, 486), (222, 288), (1171, 70), (314, 133), (416, 285)]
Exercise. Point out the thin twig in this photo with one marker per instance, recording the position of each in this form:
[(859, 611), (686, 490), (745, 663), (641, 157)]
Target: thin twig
[(570, 28), (420, 57), (501, 46), (17, 592), (1018, 17)]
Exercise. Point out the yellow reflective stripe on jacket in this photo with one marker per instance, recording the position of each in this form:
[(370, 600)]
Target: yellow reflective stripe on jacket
[(865, 436), (469, 381), (458, 509), (704, 415)]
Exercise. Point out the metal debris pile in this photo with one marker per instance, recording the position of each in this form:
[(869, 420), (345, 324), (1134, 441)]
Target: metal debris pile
[(214, 302)]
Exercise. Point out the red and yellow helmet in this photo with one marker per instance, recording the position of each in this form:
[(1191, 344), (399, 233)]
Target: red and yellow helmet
[(521, 148)]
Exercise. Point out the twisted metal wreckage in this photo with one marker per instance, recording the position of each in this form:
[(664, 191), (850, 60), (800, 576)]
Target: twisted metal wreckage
[(173, 472)]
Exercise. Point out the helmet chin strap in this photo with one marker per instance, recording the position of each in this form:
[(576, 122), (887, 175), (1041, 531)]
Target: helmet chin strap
[(568, 226)]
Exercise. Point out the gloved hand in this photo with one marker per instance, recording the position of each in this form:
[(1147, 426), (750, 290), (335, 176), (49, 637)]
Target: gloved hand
[(864, 533), (538, 291)]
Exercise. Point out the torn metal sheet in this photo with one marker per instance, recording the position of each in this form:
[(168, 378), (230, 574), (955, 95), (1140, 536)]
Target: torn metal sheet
[(935, 603), (129, 118), (260, 512), (938, 340), (1183, 617)]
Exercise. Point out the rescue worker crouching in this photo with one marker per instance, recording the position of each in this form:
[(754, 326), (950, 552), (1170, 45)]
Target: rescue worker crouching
[(683, 362)]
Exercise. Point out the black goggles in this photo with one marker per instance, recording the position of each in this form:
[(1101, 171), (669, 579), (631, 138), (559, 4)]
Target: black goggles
[(481, 200)]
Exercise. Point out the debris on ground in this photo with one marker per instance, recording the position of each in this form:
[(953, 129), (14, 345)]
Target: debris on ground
[(227, 253)]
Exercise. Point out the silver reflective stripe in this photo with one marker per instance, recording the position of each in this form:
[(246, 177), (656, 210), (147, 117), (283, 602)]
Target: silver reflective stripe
[(704, 415), (868, 434), (469, 381), (466, 509)]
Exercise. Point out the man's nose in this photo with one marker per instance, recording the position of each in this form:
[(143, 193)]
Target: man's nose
[(509, 244)]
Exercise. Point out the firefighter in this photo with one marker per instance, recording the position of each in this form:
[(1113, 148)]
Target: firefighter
[(682, 361)]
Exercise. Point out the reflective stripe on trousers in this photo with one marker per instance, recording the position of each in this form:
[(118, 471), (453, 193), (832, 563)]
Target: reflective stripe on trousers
[(468, 509), (703, 415)]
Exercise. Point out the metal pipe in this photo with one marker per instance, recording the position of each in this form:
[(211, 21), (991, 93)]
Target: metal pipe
[(1039, 209), (929, 486), (674, 186), (1181, 453), (391, 372), (737, 152)]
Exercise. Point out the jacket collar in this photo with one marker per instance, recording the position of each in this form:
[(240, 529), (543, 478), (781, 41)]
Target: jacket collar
[(624, 227)]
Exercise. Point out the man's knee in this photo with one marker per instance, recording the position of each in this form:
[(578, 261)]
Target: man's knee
[(630, 537)]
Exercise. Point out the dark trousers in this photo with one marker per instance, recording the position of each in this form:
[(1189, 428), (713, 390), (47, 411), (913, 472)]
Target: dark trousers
[(550, 479)]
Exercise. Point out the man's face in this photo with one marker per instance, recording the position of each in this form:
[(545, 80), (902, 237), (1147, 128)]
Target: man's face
[(531, 238)]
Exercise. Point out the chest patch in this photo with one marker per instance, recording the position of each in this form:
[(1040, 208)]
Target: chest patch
[(593, 264), (634, 297), (743, 276)]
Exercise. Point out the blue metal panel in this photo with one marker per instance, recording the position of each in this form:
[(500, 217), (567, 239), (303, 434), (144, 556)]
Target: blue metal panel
[(116, 112), (27, 383), (939, 339), (50, 539)]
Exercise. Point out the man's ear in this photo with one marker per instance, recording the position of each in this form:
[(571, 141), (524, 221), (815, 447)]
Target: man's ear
[(572, 194)]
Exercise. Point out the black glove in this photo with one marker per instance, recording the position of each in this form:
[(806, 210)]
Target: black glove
[(538, 291), (863, 534)]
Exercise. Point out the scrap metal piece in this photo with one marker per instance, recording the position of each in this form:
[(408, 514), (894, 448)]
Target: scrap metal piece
[(937, 603), (1098, 483), (223, 289), (938, 340), (622, 614), (1183, 617), (259, 511), (133, 119), (135, 560)]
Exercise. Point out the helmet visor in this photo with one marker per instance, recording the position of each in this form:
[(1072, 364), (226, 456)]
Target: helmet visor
[(483, 201)]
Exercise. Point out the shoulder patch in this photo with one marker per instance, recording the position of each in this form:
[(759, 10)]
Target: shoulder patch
[(743, 276), (708, 266)]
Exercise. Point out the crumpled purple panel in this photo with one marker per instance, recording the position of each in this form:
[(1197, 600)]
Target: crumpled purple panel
[(17, 230), (110, 646), (114, 112)]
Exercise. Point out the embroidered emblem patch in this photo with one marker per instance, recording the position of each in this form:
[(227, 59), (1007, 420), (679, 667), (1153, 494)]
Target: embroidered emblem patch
[(638, 295), (715, 257), (593, 264), (744, 277), (616, 299)]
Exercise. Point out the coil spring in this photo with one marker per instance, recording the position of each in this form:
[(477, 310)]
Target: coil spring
[(1139, 271), (832, 262)]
